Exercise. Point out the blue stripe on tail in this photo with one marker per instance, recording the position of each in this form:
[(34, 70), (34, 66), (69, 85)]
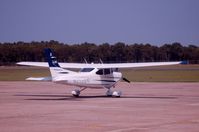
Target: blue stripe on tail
[(51, 59)]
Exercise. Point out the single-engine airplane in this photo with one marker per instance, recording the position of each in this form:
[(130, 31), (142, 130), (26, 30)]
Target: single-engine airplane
[(90, 75)]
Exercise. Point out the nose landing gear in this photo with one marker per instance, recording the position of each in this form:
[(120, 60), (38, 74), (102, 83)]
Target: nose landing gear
[(110, 93)]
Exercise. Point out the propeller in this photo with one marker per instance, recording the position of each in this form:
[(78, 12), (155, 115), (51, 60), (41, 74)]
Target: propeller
[(126, 80)]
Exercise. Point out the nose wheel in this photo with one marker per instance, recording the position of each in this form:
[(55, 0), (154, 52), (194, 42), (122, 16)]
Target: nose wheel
[(117, 94), (110, 93)]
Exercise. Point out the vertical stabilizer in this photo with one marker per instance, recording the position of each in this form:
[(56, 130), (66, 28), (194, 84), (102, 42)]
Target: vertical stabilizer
[(55, 68), (50, 57)]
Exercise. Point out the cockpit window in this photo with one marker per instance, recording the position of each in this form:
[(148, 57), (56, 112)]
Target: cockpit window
[(100, 72), (104, 71), (86, 69)]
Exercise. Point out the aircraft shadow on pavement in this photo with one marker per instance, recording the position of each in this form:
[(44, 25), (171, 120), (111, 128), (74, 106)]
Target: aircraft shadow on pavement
[(150, 97), (69, 97), (47, 97), (58, 97)]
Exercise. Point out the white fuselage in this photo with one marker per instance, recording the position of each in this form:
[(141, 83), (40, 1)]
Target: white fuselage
[(87, 79)]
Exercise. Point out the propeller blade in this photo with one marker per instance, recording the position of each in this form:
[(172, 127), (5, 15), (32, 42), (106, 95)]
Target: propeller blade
[(126, 80)]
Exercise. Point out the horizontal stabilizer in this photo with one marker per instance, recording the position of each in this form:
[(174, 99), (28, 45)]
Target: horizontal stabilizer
[(39, 78)]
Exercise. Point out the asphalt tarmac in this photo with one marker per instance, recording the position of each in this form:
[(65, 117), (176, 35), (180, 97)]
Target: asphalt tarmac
[(144, 107)]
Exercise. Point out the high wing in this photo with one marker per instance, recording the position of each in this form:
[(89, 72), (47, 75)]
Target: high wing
[(102, 66)]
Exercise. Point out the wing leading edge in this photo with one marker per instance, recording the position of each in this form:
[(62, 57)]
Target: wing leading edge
[(101, 66)]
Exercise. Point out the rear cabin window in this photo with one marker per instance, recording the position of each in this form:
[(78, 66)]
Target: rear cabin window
[(86, 69)]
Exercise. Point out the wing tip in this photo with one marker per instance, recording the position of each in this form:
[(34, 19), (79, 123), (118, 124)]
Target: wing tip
[(39, 79), (184, 62)]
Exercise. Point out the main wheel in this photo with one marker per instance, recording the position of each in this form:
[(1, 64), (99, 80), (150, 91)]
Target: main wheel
[(76, 93)]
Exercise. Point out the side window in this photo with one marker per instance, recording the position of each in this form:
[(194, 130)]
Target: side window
[(106, 71), (100, 72)]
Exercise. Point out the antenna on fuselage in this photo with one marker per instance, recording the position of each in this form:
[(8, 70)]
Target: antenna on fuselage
[(85, 61), (100, 60)]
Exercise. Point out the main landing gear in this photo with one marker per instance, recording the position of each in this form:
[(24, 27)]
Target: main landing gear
[(77, 92), (109, 93)]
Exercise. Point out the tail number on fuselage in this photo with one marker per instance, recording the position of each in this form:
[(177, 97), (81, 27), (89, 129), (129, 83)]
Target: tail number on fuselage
[(85, 81)]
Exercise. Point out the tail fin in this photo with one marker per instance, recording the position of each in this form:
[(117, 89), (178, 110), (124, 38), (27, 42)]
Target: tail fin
[(55, 68), (52, 60)]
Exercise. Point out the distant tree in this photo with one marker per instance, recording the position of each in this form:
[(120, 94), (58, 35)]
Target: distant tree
[(10, 53), (118, 52), (105, 52)]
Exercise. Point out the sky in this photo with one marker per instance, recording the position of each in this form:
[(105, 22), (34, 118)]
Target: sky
[(100, 21)]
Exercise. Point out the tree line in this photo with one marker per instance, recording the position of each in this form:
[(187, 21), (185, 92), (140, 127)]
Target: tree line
[(10, 53)]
